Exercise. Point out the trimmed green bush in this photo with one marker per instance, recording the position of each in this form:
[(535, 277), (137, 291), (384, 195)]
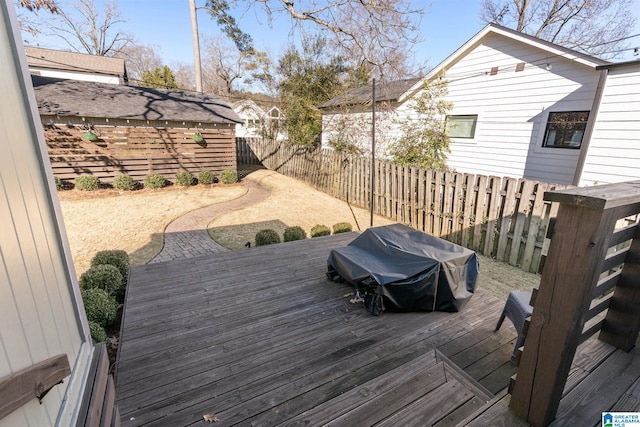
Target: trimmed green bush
[(320, 230), (267, 237), (59, 183), (342, 227), (154, 180), (205, 177), (184, 179), (116, 257), (99, 306), (124, 183), (87, 183), (104, 276), (228, 176), (98, 334), (294, 233)]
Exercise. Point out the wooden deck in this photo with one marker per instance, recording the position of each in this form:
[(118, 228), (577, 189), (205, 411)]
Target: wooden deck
[(261, 337)]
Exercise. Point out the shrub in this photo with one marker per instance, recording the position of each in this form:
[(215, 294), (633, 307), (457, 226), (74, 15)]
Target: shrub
[(117, 257), (99, 306), (342, 227), (228, 176), (59, 183), (184, 179), (106, 277), (124, 183), (87, 183), (154, 180), (98, 334), (294, 233), (320, 230), (267, 237), (205, 177)]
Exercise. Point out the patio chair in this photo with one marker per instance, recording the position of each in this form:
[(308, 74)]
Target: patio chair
[(517, 309)]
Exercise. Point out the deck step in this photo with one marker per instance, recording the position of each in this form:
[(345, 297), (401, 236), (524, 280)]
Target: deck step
[(434, 392)]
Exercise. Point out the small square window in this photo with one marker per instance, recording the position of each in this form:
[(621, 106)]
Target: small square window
[(462, 126), (565, 129)]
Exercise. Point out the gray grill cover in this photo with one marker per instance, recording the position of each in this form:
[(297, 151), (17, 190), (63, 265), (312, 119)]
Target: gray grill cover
[(402, 269)]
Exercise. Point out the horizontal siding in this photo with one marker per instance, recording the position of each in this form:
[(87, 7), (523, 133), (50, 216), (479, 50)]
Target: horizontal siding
[(614, 151), (512, 109)]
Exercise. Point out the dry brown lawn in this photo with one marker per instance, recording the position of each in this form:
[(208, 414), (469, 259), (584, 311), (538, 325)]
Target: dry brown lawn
[(135, 221), (291, 203), (132, 221)]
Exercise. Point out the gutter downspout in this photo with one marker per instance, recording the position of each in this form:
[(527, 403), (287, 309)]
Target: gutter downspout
[(591, 122)]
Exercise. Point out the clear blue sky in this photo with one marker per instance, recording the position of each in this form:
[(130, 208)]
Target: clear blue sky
[(166, 25)]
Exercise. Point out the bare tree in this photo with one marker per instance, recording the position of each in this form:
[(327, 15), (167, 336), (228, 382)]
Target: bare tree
[(596, 27), (225, 66), (87, 29), (379, 33), (34, 6), (139, 59)]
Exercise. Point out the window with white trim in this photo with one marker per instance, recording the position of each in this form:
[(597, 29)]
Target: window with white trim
[(565, 129), (461, 126)]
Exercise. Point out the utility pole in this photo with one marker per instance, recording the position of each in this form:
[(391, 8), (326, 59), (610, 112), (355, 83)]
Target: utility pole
[(196, 45), (373, 148)]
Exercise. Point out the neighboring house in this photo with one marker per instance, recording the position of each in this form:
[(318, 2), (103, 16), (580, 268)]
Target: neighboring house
[(259, 121), (77, 66), (134, 130), (525, 107), (47, 358)]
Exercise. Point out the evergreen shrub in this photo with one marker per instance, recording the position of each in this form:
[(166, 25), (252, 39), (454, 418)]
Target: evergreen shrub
[(87, 183), (267, 237), (342, 227), (320, 230), (99, 306), (106, 277), (154, 180), (228, 176), (124, 183), (205, 177), (294, 233), (184, 178)]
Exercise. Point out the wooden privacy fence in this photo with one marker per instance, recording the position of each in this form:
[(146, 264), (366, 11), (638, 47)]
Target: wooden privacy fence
[(138, 150), (503, 218)]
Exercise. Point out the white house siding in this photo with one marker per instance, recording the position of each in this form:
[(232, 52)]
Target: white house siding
[(615, 143), (90, 77), (512, 109), (38, 309)]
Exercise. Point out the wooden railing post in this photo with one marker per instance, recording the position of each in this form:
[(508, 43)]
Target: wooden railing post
[(584, 225)]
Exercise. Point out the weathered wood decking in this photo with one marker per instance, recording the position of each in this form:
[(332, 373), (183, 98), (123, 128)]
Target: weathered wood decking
[(261, 337)]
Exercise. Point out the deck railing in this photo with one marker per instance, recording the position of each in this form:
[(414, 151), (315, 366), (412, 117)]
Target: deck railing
[(590, 283)]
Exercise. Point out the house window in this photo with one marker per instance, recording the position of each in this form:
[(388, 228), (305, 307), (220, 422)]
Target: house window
[(461, 126), (565, 129)]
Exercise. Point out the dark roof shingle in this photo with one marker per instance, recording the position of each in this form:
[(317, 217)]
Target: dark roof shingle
[(102, 100), (389, 92)]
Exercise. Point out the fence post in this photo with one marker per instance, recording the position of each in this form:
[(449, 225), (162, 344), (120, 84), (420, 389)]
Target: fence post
[(582, 235)]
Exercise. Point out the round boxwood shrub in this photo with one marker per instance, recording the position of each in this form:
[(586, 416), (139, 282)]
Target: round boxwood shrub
[(104, 276), (87, 183), (154, 180), (99, 306), (294, 233), (342, 227), (320, 230), (267, 237), (124, 183), (116, 257), (184, 179), (228, 176), (98, 334), (205, 177)]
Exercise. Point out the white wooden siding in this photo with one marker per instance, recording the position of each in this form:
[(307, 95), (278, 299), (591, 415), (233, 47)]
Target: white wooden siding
[(512, 109), (614, 151), (38, 301), (90, 77)]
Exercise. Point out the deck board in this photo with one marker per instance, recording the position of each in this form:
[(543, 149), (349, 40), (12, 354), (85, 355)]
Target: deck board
[(262, 337)]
